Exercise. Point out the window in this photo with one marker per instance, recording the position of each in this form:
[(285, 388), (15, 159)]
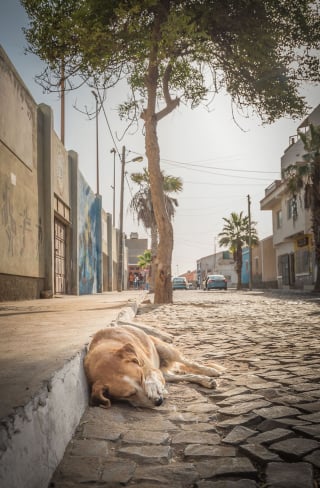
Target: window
[(279, 219), (289, 209), (307, 196), (302, 261), (292, 209)]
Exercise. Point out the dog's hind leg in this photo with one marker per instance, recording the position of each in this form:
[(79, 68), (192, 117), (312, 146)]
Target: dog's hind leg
[(205, 381), (169, 355), (193, 367)]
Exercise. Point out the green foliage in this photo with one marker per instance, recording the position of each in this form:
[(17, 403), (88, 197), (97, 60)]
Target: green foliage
[(258, 50), (235, 232), (145, 259), (141, 202)]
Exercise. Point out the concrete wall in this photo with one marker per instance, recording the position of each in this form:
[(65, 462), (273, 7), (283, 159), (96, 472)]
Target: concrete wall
[(41, 189), (21, 198), (268, 262), (264, 269)]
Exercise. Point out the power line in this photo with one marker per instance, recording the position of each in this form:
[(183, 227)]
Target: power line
[(218, 168), (223, 174), (223, 184)]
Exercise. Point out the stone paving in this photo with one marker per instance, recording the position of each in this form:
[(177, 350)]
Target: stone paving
[(259, 428)]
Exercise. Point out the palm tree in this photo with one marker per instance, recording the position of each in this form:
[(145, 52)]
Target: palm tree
[(306, 176), (144, 260), (235, 234), (141, 204)]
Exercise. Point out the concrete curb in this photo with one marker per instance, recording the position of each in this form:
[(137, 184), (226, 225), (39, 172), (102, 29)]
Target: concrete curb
[(34, 438)]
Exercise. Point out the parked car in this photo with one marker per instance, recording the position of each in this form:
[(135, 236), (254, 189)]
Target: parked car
[(179, 283), (216, 282)]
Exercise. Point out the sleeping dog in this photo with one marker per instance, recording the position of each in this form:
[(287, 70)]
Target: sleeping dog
[(124, 363)]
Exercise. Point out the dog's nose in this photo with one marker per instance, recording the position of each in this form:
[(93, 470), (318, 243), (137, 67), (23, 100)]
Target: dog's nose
[(158, 401)]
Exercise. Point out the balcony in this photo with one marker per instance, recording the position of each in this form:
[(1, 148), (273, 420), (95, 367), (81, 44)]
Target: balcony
[(273, 194)]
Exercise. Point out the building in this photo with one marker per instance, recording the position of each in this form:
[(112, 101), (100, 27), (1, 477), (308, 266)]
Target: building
[(264, 273), (55, 238), (263, 266), (291, 221), (191, 277), (135, 248), (218, 263)]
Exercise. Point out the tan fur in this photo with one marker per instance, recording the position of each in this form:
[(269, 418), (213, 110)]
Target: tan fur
[(124, 363)]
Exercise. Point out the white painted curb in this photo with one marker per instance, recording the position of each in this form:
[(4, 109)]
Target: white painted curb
[(34, 438)]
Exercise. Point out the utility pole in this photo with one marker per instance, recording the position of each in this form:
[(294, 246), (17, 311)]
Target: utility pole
[(120, 256), (114, 188), (250, 244), (97, 139), (62, 105)]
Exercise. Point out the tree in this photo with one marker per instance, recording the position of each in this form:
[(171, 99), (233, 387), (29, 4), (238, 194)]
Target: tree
[(169, 51), (141, 204), (305, 177), (144, 260), (234, 235)]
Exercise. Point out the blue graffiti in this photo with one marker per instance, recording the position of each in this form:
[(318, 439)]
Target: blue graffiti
[(89, 240)]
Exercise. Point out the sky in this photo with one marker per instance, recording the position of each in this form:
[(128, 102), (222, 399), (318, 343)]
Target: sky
[(219, 161)]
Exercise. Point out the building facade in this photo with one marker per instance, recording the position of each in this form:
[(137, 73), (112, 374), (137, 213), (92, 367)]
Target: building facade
[(291, 220), (264, 273), (218, 263), (55, 238), (135, 247)]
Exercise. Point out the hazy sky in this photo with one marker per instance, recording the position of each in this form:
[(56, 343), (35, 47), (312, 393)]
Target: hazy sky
[(219, 163)]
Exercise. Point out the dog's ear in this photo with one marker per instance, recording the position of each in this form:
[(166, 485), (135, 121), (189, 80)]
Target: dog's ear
[(128, 353), (99, 396)]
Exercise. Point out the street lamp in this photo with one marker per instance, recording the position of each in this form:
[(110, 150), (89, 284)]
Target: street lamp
[(114, 187), (97, 139), (120, 255)]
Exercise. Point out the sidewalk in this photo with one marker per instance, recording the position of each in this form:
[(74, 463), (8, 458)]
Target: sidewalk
[(42, 386)]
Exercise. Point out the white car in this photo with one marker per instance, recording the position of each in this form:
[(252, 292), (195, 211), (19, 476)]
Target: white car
[(179, 283)]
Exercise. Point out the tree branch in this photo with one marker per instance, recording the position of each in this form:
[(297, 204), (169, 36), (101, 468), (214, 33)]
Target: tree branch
[(171, 103)]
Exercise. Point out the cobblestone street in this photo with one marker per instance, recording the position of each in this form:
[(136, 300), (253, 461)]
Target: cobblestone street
[(259, 428)]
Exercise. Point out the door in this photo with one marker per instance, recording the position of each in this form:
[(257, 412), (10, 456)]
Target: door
[(59, 257), (292, 274), (284, 268)]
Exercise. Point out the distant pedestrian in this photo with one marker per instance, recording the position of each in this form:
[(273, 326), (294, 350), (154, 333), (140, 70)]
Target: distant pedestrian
[(131, 279)]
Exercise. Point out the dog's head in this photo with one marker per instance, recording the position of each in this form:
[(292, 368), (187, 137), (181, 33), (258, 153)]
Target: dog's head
[(121, 376)]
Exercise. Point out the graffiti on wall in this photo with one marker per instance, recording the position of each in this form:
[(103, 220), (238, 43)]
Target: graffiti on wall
[(89, 239), (7, 218), (17, 224)]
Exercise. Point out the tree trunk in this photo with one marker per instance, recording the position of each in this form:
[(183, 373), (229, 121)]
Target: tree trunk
[(161, 268), (162, 263), (154, 247)]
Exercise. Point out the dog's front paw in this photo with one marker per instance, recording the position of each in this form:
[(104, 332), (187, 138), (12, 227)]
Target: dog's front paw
[(154, 386)]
